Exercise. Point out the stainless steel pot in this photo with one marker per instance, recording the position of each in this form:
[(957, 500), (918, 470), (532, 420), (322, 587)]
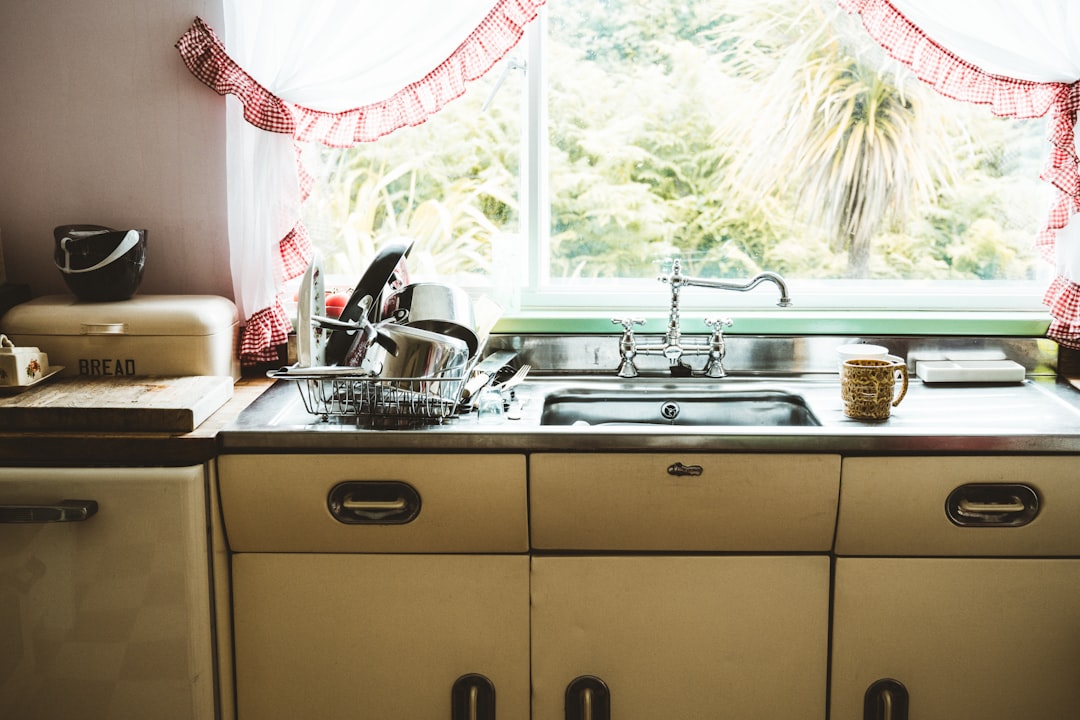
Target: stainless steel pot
[(424, 362), (435, 307)]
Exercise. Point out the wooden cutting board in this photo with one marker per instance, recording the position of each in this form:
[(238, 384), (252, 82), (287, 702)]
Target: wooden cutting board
[(146, 404)]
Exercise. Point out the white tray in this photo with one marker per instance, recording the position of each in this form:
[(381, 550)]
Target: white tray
[(932, 371)]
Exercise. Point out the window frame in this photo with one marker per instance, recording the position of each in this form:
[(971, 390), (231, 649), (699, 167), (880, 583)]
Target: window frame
[(1000, 307)]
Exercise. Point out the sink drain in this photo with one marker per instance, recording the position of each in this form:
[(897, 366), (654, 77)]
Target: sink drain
[(670, 410)]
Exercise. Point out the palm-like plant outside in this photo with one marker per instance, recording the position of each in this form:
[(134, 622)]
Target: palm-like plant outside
[(843, 138)]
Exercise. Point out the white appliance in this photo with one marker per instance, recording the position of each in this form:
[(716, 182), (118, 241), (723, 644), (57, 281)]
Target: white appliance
[(105, 608)]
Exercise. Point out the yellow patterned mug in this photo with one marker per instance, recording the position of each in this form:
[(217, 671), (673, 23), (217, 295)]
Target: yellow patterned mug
[(868, 387)]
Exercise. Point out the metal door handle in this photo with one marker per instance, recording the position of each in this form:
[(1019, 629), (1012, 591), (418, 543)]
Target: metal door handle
[(885, 699), (472, 697), (63, 511), (587, 698)]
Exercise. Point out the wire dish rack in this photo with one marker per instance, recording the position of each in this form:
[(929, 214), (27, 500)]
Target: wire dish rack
[(347, 393)]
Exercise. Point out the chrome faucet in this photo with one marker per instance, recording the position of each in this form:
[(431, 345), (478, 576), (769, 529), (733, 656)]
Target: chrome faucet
[(672, 346)]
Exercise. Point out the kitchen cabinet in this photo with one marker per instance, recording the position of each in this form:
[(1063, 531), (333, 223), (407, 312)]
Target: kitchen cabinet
[(685, 636), (105, 598), (706, 595), (682, 621), (956, 587), (389, 586)]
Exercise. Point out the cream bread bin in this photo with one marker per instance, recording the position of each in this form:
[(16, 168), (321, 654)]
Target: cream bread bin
[(162, 335)]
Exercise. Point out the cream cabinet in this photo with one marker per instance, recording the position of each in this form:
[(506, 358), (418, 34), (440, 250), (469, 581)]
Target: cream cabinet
[(379, 586), (680, 586), (956, 589), (105, 594), (687, 636)]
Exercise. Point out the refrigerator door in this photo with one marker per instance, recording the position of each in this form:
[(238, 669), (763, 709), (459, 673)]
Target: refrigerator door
[(104, 594)]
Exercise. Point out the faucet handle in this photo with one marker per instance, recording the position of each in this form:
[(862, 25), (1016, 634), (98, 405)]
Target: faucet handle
[(714, 365), (628, 323), (627, 346), (717, 325)]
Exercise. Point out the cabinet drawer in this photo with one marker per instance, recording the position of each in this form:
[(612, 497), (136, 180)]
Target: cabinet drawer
[(654, 501), (459, 503), (901, 506)]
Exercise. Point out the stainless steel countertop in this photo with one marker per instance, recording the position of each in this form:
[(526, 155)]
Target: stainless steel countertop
[(1039, 415)]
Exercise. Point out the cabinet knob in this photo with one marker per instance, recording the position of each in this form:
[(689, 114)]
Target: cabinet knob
[(587, 698)]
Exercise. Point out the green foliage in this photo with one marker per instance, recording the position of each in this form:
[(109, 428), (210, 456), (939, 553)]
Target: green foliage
[(740, 135)]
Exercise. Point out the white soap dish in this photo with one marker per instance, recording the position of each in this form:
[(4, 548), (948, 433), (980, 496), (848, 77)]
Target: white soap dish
[(998, 371)]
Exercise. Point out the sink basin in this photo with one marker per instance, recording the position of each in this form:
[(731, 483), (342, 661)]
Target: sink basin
[(773, 408)]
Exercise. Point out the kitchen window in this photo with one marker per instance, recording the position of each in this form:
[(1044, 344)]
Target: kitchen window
[(737, 135)]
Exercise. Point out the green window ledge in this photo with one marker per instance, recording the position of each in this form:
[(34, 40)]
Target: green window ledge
[(794, 322)]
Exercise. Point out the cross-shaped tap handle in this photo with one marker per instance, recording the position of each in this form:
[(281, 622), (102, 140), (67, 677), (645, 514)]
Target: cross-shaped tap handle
[(718, 324), (627, 323)]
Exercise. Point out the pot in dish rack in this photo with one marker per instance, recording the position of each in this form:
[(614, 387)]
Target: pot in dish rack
[(425, 362), (436, 307)]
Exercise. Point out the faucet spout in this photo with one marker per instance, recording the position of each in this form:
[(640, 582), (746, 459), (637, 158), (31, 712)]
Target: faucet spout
[(766, 276)]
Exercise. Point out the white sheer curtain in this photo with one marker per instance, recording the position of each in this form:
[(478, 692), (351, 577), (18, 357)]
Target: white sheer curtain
[(1021, 57), (338, 72), (327, 55)]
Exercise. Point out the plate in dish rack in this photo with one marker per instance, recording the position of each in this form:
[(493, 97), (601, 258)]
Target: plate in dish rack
[(311, 337), (12, 389)]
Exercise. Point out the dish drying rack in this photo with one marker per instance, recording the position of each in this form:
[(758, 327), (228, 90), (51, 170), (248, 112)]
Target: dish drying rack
[(348, 393)]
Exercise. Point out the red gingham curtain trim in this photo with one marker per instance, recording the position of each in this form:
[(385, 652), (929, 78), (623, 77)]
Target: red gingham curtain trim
[(1007, 97), (412, 105), (205, 56), (295, 252), (262, 334), (945, 72), (1063, 299)]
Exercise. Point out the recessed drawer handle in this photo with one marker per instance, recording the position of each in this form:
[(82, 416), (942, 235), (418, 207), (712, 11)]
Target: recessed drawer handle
[(992, 505), (373, 506), (373, 502), (63, 511), (969, 506)]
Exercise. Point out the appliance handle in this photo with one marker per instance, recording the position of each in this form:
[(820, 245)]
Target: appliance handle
[(63, 511), (130, 240)]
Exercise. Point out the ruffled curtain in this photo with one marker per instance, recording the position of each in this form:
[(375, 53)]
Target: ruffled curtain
[(336, 72), (1022, 59)]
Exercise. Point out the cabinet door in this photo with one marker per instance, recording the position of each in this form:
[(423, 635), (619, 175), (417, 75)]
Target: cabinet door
[(350, 636), (967, 638), (687, 637), (106, 618)]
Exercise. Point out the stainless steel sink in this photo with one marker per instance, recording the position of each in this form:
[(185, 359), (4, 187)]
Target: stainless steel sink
[(665, 406)]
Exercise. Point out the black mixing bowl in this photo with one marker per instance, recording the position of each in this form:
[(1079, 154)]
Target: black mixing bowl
[(98, 263)]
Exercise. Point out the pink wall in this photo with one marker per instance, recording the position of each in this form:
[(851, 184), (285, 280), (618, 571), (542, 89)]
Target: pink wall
[(100, 122)]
